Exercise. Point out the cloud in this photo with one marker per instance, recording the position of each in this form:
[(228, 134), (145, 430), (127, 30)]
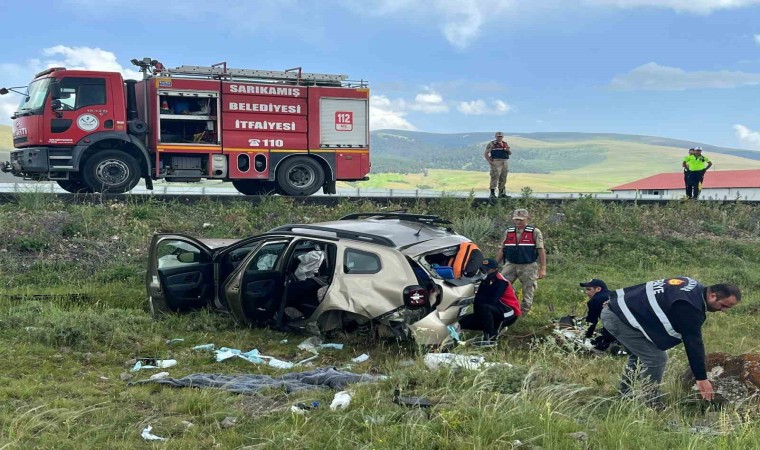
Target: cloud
[(748, 137), (654, 77), (757, 39), (86, 58), (460, 21), (481, 107), (429, 102), (686, 6), (386, 113)]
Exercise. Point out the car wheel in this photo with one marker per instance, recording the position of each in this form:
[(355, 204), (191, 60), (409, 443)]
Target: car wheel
[(111, 171), (300, 175), (255, 187), (74, 185)]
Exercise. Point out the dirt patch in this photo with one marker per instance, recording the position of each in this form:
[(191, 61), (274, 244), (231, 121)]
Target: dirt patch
[(736, 379)]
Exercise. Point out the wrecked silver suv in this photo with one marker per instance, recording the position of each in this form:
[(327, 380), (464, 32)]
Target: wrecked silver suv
[(390, 272)]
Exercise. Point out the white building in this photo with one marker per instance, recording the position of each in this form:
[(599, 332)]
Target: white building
[(718, 184)]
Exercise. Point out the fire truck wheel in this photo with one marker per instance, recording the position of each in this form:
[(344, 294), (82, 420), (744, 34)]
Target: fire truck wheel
[(255, 187), (74, 185), (111, 171), (300, 176)]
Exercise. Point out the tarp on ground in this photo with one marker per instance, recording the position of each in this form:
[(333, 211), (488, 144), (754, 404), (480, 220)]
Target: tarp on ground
[(321, 378)]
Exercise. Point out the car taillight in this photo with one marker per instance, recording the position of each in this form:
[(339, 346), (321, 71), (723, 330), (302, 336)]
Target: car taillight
[(415, 296)]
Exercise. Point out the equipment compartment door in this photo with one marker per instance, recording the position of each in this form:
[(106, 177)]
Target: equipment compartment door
[(343, 123)]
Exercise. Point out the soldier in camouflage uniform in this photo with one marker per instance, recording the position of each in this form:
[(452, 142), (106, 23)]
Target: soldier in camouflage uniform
[(497, 154)]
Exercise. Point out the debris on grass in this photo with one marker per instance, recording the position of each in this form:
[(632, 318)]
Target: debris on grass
[(314, 343), (412, 402), (361, 358), (204, 347), (302, 408), (148, 436), (153, 363), (159, 375), (174, 341), (228, 422), (341, 400)]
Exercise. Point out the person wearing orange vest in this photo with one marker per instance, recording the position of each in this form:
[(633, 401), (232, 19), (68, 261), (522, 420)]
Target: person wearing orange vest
[(496, 305), (497, 154), (524, 256)]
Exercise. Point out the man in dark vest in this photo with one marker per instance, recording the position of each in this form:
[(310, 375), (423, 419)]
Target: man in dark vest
[(524, 256), (650, 318), (497, 154)]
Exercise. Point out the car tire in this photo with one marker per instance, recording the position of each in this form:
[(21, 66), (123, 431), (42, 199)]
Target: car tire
[(111, 171), (74, 186), (300, 175), (255, 187)]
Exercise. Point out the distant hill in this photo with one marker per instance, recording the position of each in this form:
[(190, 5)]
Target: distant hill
[(553, 162), (412, 152)]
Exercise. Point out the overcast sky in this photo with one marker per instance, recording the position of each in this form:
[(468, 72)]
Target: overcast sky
[(687, 69)]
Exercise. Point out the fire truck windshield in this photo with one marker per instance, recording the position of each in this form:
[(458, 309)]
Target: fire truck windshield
[(35, 97)]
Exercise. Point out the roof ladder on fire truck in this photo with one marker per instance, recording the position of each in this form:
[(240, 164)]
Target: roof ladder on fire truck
[(292, 75)]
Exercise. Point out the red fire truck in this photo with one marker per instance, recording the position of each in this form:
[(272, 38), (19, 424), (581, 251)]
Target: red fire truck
[(288, 132)]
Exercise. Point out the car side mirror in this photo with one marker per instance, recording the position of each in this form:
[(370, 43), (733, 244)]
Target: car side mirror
[(55, 89), (56, 105), (188, 257)]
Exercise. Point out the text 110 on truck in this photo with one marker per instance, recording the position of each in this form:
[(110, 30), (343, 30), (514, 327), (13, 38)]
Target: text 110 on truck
[(287, 132)]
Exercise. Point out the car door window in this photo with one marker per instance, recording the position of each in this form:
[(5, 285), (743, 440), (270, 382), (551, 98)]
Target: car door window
[(175, 253), (267, 256), (360, 262)]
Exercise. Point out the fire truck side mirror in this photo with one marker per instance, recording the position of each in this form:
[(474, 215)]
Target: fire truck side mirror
[(55, 90), (56, 105)]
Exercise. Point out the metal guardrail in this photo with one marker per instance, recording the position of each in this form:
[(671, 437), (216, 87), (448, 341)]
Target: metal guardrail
[(168, 189)]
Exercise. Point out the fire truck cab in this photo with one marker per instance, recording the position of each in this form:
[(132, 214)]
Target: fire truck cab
[(287, 132)]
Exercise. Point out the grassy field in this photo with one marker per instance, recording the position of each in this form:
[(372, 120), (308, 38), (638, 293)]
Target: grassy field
[(619, 162), (67, 356)]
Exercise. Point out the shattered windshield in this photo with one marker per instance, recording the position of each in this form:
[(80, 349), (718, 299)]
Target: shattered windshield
[(35, 97)]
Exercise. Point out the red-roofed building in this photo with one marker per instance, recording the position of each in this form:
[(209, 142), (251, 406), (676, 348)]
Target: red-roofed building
[(719, 185)]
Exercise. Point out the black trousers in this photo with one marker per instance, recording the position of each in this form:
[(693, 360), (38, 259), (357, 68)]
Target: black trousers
[(489, 319), (694, 183)]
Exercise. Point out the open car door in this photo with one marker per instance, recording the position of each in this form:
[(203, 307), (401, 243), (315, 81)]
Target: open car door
[(180, 274), (254, 290)]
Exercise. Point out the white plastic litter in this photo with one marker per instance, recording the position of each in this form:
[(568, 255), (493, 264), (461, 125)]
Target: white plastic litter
[(341, 400), (361, 358), (148, 436), (435, 361), (209, 347), (159, 375), (160, 364)]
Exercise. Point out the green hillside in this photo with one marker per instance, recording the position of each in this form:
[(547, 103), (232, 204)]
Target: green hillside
[(546, 162)]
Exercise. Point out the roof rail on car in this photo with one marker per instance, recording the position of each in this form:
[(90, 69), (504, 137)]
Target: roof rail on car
[(422, 218), (344, 234)]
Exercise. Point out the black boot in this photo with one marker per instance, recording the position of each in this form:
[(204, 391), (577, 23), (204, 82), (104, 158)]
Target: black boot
[(502, 194), (493, 194)]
